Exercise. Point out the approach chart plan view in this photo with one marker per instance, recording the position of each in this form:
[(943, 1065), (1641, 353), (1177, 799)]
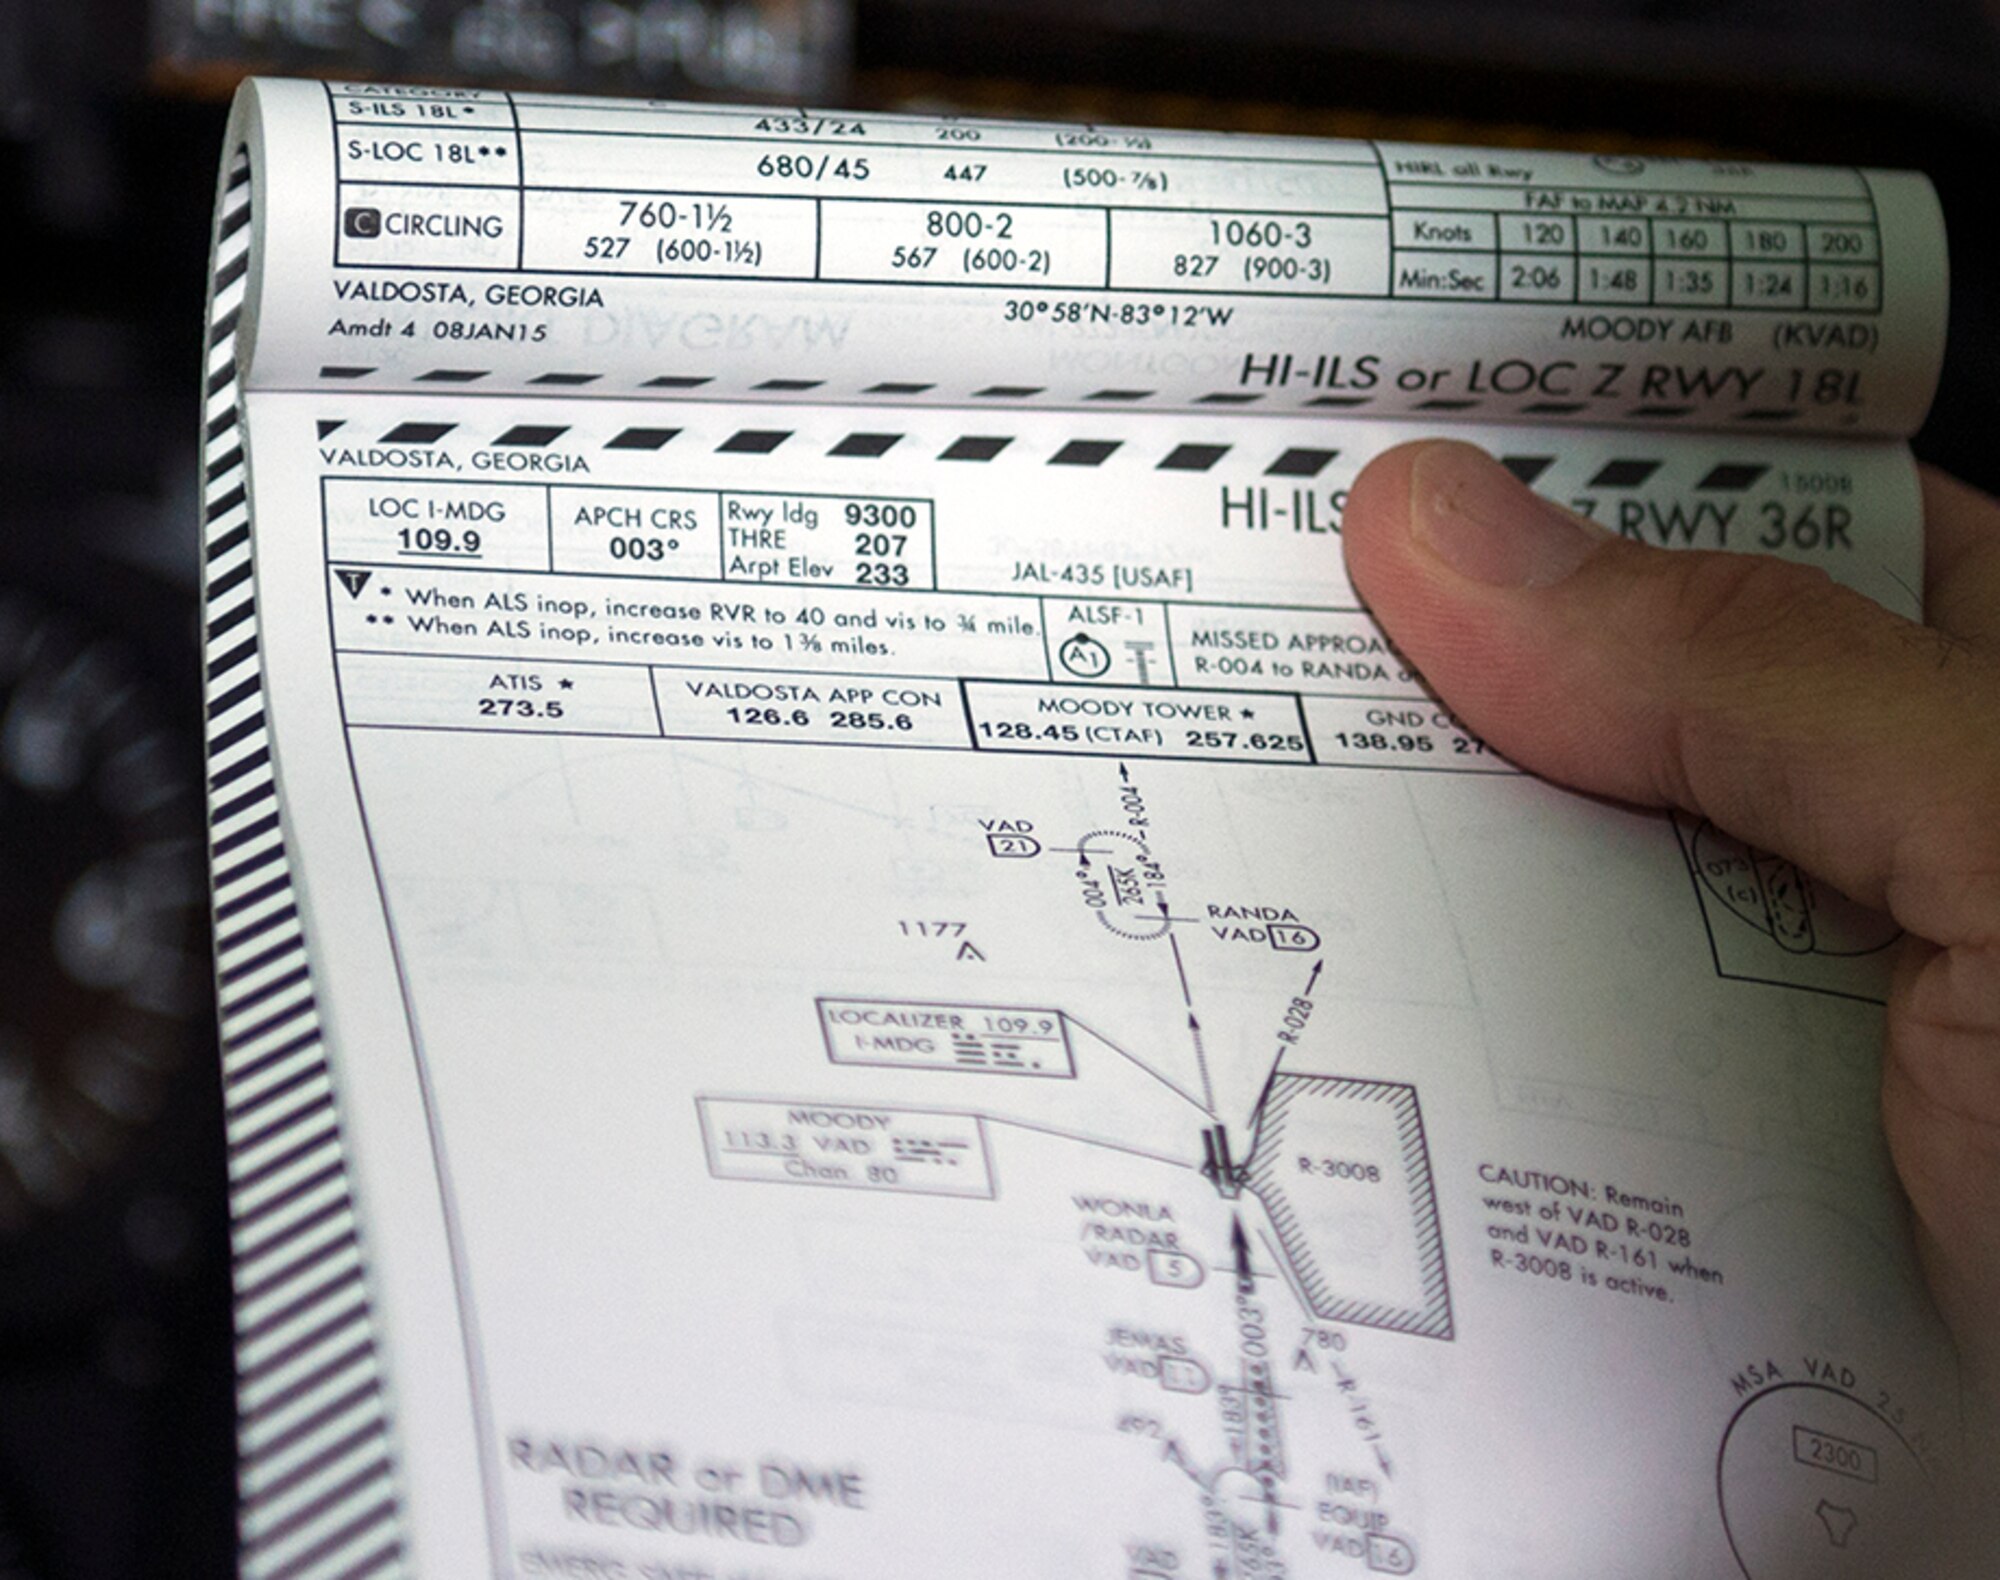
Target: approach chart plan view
[(844, 955)]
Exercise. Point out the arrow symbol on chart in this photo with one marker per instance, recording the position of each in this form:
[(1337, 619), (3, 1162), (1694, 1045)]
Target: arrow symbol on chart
[(392, 21), (353, 580), (1201, 1063), (1239, 1242), (1194, 1025)]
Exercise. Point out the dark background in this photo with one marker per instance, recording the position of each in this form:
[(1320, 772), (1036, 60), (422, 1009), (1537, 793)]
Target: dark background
[(115, 1412)]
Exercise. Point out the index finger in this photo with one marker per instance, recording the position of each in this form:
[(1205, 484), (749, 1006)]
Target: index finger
[(1961, 559)]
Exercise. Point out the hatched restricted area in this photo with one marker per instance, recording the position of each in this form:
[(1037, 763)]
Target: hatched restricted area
[(1343, 1169)]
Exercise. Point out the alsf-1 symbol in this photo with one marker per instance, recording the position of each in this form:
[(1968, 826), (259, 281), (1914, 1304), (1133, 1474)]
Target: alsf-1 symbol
[(1084, 656)]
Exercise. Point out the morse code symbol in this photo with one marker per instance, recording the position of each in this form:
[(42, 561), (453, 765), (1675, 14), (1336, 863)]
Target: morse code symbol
[(365, 223)]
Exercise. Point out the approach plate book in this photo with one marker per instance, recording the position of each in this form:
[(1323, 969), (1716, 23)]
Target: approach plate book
[(844, 956)]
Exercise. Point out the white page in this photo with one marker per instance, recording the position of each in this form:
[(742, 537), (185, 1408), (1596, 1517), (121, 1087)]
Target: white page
[(481, 240), (821, 991)]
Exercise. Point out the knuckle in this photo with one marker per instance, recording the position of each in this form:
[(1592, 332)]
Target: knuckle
[(1737, 612), (1947, 874), (1944, 1029), (1748, 632)]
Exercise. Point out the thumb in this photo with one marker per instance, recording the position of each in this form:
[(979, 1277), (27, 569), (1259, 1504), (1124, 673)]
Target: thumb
[(1790, 711)]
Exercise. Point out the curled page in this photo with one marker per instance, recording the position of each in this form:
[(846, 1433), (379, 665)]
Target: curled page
[(830, 982), (496, 241)]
